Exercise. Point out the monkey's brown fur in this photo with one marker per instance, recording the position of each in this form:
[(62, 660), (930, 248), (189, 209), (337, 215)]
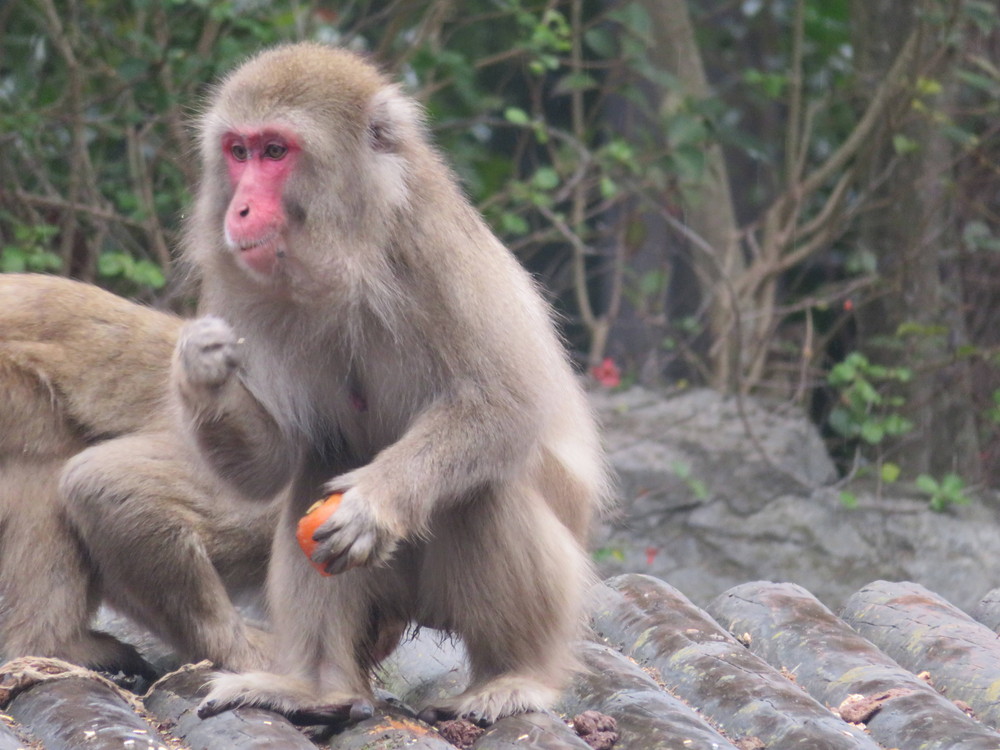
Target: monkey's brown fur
[(392, 349), (85, 372)]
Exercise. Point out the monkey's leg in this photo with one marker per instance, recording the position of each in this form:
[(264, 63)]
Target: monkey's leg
[(48, 589), (509, 579), (147, 521), (323, 630)]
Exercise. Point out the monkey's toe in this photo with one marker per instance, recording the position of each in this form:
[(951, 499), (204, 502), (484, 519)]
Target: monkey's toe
[(351, 712), (338, 714), (505, 695), (435, 714), (209, 708)]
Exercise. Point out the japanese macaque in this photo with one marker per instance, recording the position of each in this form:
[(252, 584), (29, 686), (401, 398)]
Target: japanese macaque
[(84, 377), (364, 332)]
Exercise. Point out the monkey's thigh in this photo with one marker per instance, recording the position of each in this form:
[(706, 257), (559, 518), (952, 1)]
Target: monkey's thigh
[(508, 577), (47, 588), (142, 507), (333, 629)]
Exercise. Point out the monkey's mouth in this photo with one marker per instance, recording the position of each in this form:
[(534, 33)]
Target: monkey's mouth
[(261, 254)]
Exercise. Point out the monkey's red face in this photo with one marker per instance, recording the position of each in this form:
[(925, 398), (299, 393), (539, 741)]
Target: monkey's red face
[(259, 163)]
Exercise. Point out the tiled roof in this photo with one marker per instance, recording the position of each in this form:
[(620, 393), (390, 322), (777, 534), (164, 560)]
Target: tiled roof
[(766, 665)]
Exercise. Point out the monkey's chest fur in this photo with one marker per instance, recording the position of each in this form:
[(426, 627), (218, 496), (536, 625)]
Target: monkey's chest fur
[(343, 400)]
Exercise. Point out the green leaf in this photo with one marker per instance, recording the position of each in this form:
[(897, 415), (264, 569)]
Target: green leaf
[(112, 264), (513, 224), (841, 374), (927, 484), (866, 393), (575, 82), (952, 483), (840, 422), (848, 499), (896, 424), (929, 86), (545, 178), (634, 17), (652, 282), (601, 41), (13, 261), (689, 163), (516, 115), (979, 81), (903, 145), (699, 489), (889, 472), (680, 469), (685, 130), (608, 553), (772, 84), (872, 432), (148, 274)]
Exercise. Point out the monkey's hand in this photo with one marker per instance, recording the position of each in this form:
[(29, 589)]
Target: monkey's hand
[(354, 535), (207, 356)]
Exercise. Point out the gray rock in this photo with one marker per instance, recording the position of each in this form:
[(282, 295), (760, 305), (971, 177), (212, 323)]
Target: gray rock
[(705, 505)]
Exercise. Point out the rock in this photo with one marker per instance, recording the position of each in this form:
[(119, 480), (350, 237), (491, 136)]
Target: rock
[(706, 506)]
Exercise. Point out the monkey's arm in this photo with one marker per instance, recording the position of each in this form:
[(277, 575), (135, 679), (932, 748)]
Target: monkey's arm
[(234, 431), (459, 446)]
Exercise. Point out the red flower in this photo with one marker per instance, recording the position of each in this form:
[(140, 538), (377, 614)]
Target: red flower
[(607, 373)]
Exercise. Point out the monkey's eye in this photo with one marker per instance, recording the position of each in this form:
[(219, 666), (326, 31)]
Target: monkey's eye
[(239, 152), (275, 151)]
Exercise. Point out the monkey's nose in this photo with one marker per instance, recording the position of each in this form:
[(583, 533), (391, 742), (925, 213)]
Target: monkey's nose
[(244, 211)]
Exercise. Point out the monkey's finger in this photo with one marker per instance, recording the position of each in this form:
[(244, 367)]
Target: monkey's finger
[(335, 560), (339, 565), (360, 544), (327, 529), (342, 563)]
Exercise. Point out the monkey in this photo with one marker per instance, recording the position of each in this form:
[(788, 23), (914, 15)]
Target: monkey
[(85, 376), (361, 330)]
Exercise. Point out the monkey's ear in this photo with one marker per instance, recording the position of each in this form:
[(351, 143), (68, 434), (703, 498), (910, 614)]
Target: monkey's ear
[(394, 119)]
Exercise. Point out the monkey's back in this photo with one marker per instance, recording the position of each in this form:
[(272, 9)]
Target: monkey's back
[(64, 338)]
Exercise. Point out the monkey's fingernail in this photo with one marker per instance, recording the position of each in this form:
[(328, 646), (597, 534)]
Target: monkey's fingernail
[(327, 529), (339, 564), (207, 709), (361, 710)]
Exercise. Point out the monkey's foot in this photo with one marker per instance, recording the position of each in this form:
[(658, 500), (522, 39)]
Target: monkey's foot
[(287, 696), (483, 704)]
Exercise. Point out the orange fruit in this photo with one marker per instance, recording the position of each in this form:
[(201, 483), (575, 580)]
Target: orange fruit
[(314, 518)]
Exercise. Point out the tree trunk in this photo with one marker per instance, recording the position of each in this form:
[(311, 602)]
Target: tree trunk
[(913, 238), (717, 260)]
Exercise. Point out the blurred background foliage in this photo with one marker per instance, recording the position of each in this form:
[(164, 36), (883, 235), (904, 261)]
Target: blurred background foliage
[(787, 198)]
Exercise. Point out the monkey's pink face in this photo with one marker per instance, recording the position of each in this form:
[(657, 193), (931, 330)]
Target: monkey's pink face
[(259, 163)]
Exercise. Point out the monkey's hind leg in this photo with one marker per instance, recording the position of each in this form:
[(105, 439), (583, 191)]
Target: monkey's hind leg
[(48, 588), (144, 516), (510, 579), (318, 621)]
